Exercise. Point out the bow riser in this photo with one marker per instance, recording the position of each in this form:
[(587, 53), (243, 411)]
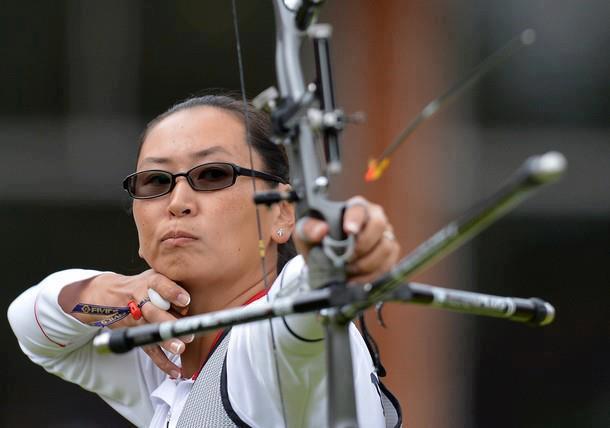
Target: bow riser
[(326, 263)]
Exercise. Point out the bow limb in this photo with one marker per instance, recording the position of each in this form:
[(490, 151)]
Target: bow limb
[(301, 116)]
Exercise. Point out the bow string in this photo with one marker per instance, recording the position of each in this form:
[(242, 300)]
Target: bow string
[(307, 123)]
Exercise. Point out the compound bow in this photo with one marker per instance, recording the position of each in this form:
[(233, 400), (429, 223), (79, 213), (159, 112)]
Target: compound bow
[(307, 122)]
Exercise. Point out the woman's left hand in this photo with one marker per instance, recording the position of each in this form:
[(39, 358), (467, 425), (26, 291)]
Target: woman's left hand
[(376, 248)]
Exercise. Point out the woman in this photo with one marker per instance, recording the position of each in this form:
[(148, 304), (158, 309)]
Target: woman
[(199, 232)]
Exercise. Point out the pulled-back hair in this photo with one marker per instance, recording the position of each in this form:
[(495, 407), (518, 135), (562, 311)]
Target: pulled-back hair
[(273, 155)]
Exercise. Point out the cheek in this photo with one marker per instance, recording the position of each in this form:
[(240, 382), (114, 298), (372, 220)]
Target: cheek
[(234, 215), (142, 216), (236, 218)]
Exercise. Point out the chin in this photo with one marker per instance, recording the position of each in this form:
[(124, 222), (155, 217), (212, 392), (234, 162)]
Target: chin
[(182, 269), (176, 275)]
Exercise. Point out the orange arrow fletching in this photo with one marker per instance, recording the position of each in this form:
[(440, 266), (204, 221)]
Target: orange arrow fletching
[(376, 169)]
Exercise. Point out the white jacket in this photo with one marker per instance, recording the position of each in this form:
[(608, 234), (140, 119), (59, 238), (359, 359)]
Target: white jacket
[(146, 396)]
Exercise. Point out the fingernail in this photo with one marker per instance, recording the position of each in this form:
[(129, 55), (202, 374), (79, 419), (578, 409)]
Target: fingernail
[(189, 338), (319, 230), (183, 299), (174, 374), (177, 347), (352, 227)]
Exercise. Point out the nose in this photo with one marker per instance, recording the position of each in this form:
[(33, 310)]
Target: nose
[(182, 199)]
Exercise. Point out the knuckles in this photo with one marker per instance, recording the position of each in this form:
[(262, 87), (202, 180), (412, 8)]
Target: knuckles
[(165, 287)]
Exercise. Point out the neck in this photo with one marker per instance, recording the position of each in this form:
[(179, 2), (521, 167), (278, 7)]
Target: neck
[(208, 299), (217, 296)]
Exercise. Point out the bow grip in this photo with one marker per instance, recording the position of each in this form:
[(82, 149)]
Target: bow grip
[(326, 262)]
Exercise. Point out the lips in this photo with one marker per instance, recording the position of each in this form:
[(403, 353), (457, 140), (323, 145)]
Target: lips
[(178, 236)]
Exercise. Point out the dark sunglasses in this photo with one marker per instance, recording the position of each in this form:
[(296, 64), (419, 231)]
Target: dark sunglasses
[(204, 178)]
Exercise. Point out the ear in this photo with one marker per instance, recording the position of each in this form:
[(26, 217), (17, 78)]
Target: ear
[(284, 221)]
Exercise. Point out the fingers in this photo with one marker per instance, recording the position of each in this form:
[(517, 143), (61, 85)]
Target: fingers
[(152, 290), (376, 261), (371, 232), (164, 293), (308, 232), (356, 215), (376, 248), (152, 314), (178, 312), (160, 359), (167, 289), (311, 230), (120, 290)]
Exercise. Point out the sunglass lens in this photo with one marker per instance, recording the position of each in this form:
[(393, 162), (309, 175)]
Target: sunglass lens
[(147, 184), (212, 176)]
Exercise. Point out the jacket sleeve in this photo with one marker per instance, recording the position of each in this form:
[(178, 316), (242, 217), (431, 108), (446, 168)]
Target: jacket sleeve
[(62, 345), (294, 349)]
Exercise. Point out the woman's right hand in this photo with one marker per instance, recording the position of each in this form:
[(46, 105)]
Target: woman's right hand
[(110, 289)]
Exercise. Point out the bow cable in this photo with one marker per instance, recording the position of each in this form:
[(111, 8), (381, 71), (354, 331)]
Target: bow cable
[(261, 243)]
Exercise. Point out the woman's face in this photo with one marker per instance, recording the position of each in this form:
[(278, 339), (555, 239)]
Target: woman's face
[(208, 237)]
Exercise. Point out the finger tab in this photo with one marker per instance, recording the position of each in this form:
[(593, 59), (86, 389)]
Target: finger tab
[(157, 300)]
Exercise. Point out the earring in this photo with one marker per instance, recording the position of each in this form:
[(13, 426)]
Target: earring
[(280, 232)]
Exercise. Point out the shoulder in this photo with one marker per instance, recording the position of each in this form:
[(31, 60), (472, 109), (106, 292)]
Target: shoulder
[(292, 277)]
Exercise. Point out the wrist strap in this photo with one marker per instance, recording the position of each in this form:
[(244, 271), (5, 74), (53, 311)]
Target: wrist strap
[(113, 313)]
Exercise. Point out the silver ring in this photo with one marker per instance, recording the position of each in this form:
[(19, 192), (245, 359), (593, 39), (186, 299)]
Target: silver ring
[(389, 235), (157, 300), (298, 230), (357, 202), (360, 203)]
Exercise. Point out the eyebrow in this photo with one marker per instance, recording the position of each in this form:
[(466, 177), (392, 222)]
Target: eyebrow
[(196, 155)]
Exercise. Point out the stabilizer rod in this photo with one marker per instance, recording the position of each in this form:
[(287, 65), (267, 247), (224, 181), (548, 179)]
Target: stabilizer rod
[(535, 172), (533, 311)]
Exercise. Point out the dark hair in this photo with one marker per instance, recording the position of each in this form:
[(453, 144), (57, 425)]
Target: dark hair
[(274, 157)]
